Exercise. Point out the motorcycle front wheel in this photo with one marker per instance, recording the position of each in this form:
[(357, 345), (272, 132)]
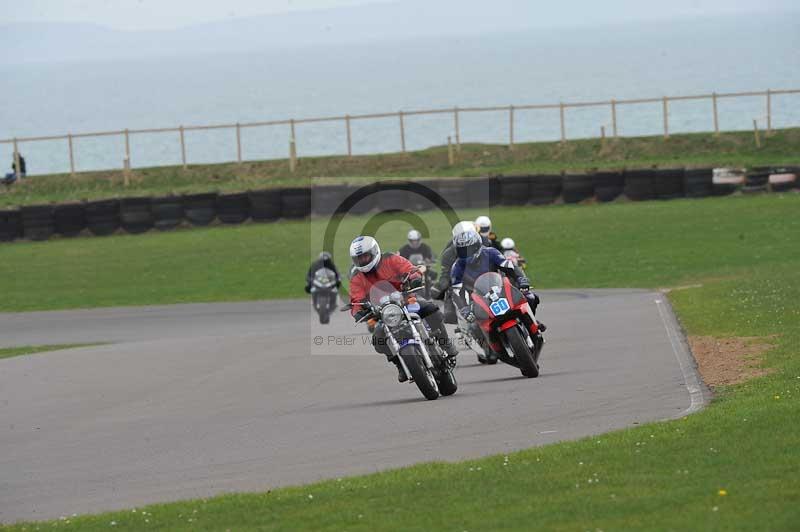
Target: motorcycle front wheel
[(412, 357), (522, 353)]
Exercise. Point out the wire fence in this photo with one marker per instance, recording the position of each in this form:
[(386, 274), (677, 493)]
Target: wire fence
[(510, 112)]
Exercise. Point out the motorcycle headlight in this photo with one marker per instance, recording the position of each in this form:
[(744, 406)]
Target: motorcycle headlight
[(392, 315)]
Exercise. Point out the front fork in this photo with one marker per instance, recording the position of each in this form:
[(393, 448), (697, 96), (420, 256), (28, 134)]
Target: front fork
[(415, 323)]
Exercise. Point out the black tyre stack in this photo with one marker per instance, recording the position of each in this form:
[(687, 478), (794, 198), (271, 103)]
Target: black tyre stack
[(423, 195), (726, 181), (102, 217), (608, 186), (698, 182), (455, 193), (483, 191), (38, 222), (757, 180), (578, 187), (200, 209), (640, 184), (326, 199), (10, 225), (296, 202), (515, 189), (135, 215), (392, 196), (167, 212), (70, 219), (545, 189), (265, 205), (668, 183), (233, 208)]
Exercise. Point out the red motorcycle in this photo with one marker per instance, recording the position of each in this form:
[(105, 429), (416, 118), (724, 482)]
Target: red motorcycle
[(504, 316)]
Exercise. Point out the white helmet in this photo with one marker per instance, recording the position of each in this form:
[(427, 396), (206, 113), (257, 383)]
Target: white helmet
[(484, 225), (463, 227), (414, 238), (507, 243), (468, 244), (366, 253)]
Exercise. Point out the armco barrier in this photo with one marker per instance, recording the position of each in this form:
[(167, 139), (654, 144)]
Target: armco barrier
[(578, 187), (167, 212), (102, 217), (545, 189), (200, 209), (608, 186), (37, 222), (233, 208), (698, 182), (70, 219), (296, 202), (10, 225), (515, 189), (265, 205), (135, 215)]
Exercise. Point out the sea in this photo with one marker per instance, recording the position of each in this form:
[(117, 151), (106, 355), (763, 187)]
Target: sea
[(634, 60)]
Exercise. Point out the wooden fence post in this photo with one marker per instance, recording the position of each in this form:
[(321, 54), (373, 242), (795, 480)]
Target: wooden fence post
[(458, 129), (17, 169), (716, 115), (292, 156), (665, 108), (563, 126), (238, 143), (450, 156), (183, 146), (769, 112), (614, 117), (602, 137), (127, 149), (291, 125), (71, 155), (755, 132), (349, 137), (511, 127), (402, 132)]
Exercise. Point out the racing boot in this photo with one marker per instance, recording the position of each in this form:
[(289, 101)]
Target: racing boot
[(401, 375)]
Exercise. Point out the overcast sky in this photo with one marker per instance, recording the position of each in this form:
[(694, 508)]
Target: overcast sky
[(165, 14)]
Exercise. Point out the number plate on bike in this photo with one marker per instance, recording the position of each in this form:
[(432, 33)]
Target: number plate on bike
[(500, 306)]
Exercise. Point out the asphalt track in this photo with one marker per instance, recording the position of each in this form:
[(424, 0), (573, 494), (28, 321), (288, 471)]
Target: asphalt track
[(195, 400)]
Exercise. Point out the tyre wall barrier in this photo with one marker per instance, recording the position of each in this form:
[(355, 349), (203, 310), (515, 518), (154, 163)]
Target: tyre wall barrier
[(783, 179), (640, 184), (38, 222), (167, 212), (698, 182), (10, 225), (102, 217), (756, 180), (668, 183), (326, 199), (233, 208), (135, 215), (578, 187), (392, 196), (726, 181), (418, 198), (70, 219), (295, 202), (608, 186), (455, 192), (515, 189), (483, 192), (200, 209), (265, 205), (545, 189)]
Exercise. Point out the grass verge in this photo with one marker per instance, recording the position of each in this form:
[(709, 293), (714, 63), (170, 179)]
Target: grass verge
[(732, 466), (8, 352), (696, 149)]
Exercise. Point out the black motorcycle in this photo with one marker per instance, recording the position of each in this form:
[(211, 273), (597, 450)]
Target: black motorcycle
[(425, 267), (324, 293)]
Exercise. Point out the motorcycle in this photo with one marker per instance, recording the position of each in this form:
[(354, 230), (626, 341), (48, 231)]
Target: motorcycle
[(409, 338), (425, 268), (503, 314), (324, 292)]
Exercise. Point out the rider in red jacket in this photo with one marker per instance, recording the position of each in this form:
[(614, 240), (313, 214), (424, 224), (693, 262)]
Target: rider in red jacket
[(372, 268)]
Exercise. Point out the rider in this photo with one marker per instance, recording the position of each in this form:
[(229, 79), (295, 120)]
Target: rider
[(475, 259), (372, 268), (416, 246), (448, 258), (325, 260), (484, 225), (509, 249)]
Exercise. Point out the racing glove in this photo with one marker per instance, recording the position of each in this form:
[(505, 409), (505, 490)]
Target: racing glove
[(308, 289), (467, 314), (524, 284)]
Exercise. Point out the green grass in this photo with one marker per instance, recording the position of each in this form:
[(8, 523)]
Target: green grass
[(8, 352), (650, 244), (697, 149), (661, 476)]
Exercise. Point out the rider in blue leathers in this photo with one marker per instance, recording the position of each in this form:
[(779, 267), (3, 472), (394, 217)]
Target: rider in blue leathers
[(475, 259)]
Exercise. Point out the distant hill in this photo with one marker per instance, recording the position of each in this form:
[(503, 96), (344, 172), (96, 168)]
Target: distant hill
[(57, 42)]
